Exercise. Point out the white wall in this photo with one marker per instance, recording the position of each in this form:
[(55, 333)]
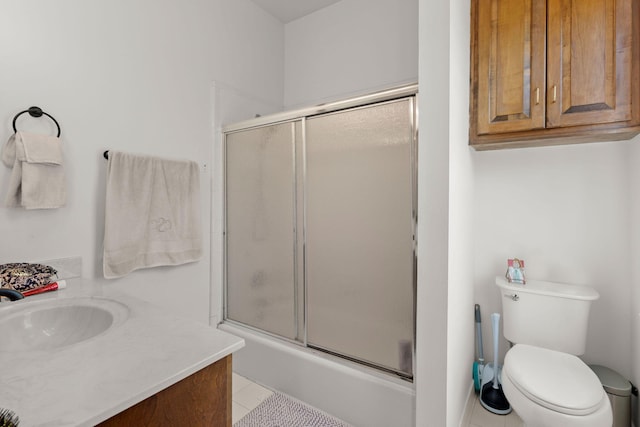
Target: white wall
[(350, 48), (634, 190), (446, 187), (460, 341), (566, 212), (134, 76), (432, 362)]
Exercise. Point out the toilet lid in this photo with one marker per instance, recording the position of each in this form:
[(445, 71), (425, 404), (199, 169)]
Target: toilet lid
[(555, 380)]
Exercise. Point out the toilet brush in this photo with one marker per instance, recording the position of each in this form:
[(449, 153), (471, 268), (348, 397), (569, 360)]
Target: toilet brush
[(478, 366), (491, 396)]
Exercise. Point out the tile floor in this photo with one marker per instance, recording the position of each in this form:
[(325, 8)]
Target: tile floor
[(476, 416), (246, 395)]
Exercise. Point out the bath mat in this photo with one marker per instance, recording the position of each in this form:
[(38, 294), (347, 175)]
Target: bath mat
[(280, 410)]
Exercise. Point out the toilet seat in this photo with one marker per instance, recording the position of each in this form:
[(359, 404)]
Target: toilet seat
[(557, 381)]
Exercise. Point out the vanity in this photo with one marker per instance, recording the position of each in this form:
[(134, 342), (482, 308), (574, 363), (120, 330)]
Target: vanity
[(88, 355)]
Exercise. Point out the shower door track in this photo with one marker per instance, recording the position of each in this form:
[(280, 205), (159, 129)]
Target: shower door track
[(358, 101)]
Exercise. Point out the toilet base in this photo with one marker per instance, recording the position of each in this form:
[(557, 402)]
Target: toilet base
[(534, 415)]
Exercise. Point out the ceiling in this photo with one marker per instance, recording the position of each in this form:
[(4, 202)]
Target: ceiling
[(290, 10)]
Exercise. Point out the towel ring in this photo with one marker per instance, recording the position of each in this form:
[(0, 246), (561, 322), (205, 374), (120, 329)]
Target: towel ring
[(35, 112)]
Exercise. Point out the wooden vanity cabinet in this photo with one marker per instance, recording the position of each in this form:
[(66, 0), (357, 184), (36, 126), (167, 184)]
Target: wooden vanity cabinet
[(203, 399), (553, 72)]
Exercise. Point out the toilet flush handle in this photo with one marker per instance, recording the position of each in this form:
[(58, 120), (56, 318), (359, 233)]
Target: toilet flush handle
[(514, 297)]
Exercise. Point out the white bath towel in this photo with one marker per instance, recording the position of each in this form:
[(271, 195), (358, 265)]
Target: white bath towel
[(37, 180), (152, 215)]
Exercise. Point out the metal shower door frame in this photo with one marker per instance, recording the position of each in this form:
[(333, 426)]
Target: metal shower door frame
[(299, 185)]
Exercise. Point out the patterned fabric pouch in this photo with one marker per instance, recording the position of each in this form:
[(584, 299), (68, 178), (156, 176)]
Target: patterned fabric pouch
[(23, 276)]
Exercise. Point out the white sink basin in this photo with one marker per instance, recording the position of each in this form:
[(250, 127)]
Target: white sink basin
[(56, 323)]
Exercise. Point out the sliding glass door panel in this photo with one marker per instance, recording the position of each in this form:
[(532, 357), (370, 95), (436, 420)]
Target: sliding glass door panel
[(260, 229), (359, 233)]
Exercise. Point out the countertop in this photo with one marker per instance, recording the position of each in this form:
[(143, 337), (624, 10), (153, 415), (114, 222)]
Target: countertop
[(86, 383)]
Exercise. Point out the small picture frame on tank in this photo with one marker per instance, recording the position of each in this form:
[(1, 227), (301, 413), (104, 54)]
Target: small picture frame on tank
[(515, 271)]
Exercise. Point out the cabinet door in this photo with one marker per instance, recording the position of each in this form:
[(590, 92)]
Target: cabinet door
[(511, 65), (588, 62)]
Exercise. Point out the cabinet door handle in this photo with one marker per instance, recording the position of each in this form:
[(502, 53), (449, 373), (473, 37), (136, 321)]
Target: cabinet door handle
[(537, 95), (555, 93)]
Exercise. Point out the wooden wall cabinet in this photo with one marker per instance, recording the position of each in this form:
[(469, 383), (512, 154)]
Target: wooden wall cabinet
[(553, 72)]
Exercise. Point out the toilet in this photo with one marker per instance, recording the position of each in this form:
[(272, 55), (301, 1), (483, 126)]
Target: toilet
[(543, 379)]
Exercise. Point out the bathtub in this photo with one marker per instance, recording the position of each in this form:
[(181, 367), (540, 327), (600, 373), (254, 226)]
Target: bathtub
[(356, 394)]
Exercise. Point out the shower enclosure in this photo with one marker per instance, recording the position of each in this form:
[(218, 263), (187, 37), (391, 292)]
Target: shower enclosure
[(320, 211)]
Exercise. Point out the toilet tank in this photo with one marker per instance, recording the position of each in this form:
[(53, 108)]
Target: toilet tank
[(546, 314)]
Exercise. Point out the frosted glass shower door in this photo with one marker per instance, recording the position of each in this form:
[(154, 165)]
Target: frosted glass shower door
[(359, 233), (260, 236)]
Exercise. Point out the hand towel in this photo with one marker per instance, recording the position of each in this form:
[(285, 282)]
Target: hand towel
[(152, 215), (37, 180)]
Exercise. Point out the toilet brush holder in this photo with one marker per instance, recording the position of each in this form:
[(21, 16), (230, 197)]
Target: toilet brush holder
[(492, 397)]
